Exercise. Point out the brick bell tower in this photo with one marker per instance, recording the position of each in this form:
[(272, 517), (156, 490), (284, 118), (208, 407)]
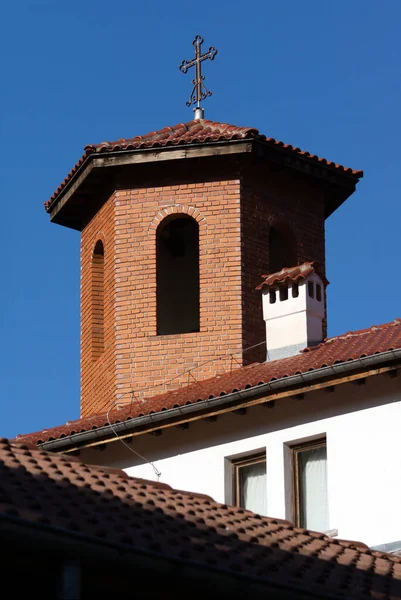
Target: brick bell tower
[(177, 227)]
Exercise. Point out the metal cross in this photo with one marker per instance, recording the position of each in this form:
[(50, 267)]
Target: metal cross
[(199, 91)]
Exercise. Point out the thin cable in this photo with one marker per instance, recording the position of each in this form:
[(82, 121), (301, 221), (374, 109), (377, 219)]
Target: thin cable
[(132, 393), (149, 462), (187, 371), (190, 374)]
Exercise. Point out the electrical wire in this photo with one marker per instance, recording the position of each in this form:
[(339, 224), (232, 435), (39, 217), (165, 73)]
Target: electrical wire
[(149, 462), (133, 392), (167, 382)]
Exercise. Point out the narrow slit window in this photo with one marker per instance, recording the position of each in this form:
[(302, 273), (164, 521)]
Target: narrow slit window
[(272, 296), (310, 495), (318, 292), (249, 482), (311, 289), (283, 293), (177, 275), (295, 290), (97, 300)]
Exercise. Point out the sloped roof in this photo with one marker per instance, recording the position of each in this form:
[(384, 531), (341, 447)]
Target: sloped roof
[(350, 346), (105, 505), (193, 132), (290, 275)]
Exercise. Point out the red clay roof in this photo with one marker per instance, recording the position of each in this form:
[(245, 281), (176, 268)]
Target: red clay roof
[(290, 275), (350, 346), (194, 132), (59, 492)]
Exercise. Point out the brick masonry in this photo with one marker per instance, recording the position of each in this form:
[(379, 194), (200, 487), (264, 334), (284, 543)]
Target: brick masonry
[(98, 381), (135, 358), (234, 216), (270, 198)]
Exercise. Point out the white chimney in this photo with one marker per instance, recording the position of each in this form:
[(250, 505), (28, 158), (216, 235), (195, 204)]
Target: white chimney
[(293, 309)]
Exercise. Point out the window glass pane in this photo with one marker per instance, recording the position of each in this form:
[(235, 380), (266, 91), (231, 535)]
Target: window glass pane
[(253, 487), (313, 489)]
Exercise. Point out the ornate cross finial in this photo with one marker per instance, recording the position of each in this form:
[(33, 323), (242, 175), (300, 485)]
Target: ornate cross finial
[(199, 91)]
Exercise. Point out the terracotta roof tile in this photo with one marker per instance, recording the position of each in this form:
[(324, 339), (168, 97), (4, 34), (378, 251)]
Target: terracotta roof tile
[(291, 275), (350, 346), (193, 132), (62, 493)]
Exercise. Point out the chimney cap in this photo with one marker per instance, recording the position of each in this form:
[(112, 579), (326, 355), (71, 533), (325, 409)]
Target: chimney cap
[(292, 275)]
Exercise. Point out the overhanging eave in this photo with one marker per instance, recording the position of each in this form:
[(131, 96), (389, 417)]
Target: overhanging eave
[(99, 164), (101, 173)]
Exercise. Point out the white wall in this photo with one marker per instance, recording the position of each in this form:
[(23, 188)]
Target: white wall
[(361, 424), (293, 323)]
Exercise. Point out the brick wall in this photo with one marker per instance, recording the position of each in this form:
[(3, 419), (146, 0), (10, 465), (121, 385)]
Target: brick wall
[(139, 358), (272, 197), (234, 204), (97, 367)]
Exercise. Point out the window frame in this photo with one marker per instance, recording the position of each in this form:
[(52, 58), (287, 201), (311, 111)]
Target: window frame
[(236, 465), (295, 451)]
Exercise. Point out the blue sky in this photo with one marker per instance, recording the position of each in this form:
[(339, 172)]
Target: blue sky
[(320, 75)]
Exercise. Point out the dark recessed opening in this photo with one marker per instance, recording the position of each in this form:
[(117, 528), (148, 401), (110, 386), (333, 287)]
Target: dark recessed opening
[(177, 273), (283, 293), (282, 248), (97, 299)]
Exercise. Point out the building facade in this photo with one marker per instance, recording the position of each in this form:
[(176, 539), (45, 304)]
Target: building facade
[(204, 362)]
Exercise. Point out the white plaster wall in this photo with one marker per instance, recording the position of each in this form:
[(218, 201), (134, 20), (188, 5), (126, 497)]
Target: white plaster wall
[(364, 461)]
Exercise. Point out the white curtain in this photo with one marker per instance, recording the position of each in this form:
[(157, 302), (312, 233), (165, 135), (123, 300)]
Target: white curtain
[(254, 488), (313, 475)]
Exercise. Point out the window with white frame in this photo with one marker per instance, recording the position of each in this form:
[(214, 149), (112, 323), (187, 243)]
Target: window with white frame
[(309, 485), (249, 482)]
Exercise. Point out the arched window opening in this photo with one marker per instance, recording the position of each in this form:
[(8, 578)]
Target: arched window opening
[(177, 275), (98, 300), (282, 248)]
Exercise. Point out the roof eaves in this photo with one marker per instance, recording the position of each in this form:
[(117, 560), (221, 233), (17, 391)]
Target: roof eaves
[(75, 172), (231, 401), (308, 157), (103, 153)]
